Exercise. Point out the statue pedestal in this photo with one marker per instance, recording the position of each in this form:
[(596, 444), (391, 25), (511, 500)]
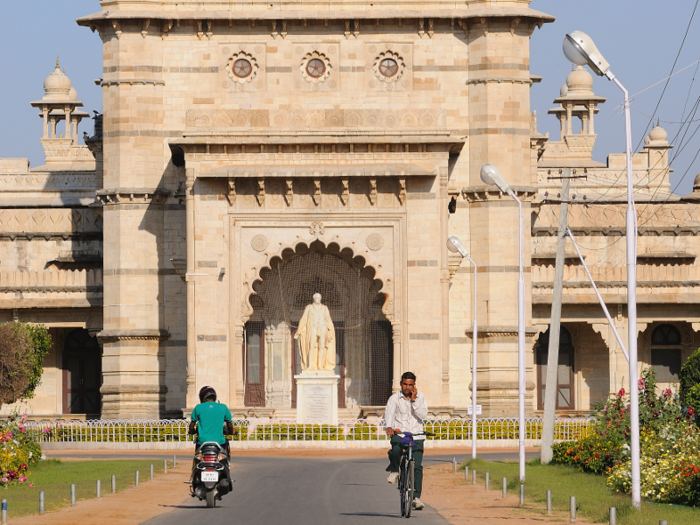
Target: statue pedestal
[(317, 397)]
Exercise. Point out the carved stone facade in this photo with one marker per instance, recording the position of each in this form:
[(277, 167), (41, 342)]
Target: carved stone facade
[(236, 142)]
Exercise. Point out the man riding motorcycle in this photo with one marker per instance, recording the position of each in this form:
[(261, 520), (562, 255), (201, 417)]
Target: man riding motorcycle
[(208, 420), (211, 422)]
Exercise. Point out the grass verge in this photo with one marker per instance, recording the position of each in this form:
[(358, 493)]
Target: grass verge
[(55, 477), (593, 498)]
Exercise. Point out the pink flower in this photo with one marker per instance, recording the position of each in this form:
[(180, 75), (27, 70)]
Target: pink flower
[(31, 484), (667, 392), (22, 479), (621, 392)]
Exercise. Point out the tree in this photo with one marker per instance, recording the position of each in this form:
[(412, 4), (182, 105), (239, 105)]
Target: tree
[(22, 350)]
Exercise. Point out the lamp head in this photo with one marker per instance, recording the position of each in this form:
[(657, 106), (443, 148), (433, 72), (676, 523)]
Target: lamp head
[(455, 246), (580, 49), (491, 175)]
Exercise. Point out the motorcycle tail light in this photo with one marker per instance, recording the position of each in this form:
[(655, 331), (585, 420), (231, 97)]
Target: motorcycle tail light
[(198, 456), (222, 457), (210, 457)]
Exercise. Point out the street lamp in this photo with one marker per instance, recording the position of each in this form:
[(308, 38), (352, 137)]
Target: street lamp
[(580, 49), (492, 176), (455, 246)]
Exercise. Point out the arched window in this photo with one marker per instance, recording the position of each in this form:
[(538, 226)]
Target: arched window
[(565, 372), (666, 353), (82, 374)]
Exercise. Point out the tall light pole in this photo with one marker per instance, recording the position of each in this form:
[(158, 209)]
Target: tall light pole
[(580, 49), (492, 176), (455, 246)]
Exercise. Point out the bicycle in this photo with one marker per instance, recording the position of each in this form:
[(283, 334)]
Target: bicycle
[(406, 472)]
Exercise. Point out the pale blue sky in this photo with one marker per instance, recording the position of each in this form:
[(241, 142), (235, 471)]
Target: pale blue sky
[(640, 39)]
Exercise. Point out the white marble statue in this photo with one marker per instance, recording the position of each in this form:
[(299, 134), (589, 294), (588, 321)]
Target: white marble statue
[(316, 336)]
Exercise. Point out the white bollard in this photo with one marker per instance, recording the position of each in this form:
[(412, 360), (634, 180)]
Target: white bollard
[(466, 473), (41, 502), (522, 494), (99, 487), (4, 511), (114, 483), (487, 481), (165, 466), (454, 464), (572, 508), (613, 516), (549, 502), (72, 495), (151, 471), (473, 477), (505, 487), (174, 461), (137, 478)]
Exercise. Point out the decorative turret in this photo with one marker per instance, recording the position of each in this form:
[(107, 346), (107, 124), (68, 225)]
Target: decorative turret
[(576, 100), (59, 102)]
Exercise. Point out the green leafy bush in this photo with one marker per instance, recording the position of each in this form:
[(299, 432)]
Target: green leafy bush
[(22, 351), (689, 377)]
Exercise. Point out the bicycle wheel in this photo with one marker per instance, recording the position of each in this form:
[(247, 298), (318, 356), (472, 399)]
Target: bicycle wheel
[(408, 489), (402, 486)]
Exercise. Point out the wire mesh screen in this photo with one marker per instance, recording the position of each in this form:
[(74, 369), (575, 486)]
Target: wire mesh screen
[(349, 289)]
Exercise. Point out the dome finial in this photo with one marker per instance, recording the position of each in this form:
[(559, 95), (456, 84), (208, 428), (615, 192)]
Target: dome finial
[(57, 66)]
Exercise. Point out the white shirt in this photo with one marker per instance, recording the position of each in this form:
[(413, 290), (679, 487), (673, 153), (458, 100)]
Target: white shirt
[(405, 414)]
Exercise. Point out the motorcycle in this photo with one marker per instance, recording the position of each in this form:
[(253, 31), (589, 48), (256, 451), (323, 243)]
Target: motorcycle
[(211, 473)]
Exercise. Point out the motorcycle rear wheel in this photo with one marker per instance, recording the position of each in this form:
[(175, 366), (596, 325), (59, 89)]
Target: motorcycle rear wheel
[(211, 499)]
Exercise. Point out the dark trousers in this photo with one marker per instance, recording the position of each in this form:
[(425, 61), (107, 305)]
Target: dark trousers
[(395, 461)]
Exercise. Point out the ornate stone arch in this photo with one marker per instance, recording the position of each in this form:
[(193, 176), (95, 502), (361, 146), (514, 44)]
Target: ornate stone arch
[(362, 258)]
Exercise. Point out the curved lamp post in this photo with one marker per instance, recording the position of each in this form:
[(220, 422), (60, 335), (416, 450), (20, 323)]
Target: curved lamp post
[(580, 49), (455, 246), (492, 176)]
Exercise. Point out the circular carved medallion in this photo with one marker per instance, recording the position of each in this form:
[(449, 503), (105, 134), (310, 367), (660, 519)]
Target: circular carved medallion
[(259, 243), (374, 241)]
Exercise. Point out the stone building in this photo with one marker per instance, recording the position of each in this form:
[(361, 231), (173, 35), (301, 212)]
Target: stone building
[(251, 154)]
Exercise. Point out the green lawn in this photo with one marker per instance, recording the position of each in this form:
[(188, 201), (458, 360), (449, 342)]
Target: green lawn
[(593, 499), (54, 477)]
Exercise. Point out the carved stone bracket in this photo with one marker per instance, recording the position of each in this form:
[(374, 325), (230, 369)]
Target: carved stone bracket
[(421, 27), (373, 191), (166, 27), (431, 27), (231, 191), (356, 29), (454, 260), (289, 191), (132, 196), (261, 191), (273, 29), (345, 193), (402, 190), (317, 191), (347, 29), (117, 28), (180, 266)]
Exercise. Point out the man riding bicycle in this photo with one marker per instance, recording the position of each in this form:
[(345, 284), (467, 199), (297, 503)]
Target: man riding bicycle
[(208, 420), (405, 412)]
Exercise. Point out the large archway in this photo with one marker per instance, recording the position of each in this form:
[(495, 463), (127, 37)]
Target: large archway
[(353, 295)]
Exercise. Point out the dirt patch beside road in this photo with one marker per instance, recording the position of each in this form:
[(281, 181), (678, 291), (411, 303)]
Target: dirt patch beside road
[(462, 503)]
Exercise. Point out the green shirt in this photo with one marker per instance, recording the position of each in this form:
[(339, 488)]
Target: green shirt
[(210, 417)]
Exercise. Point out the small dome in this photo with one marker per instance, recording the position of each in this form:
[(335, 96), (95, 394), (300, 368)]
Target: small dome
[(564, 90), (73, 94), (579, 82), (658, 134), (57, 85)]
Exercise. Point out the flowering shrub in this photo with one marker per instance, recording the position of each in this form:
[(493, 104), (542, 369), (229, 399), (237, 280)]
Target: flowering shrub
[(669, 465), (18, 450), (605, 446)]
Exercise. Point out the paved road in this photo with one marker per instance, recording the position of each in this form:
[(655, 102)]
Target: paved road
[(302, 491)]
